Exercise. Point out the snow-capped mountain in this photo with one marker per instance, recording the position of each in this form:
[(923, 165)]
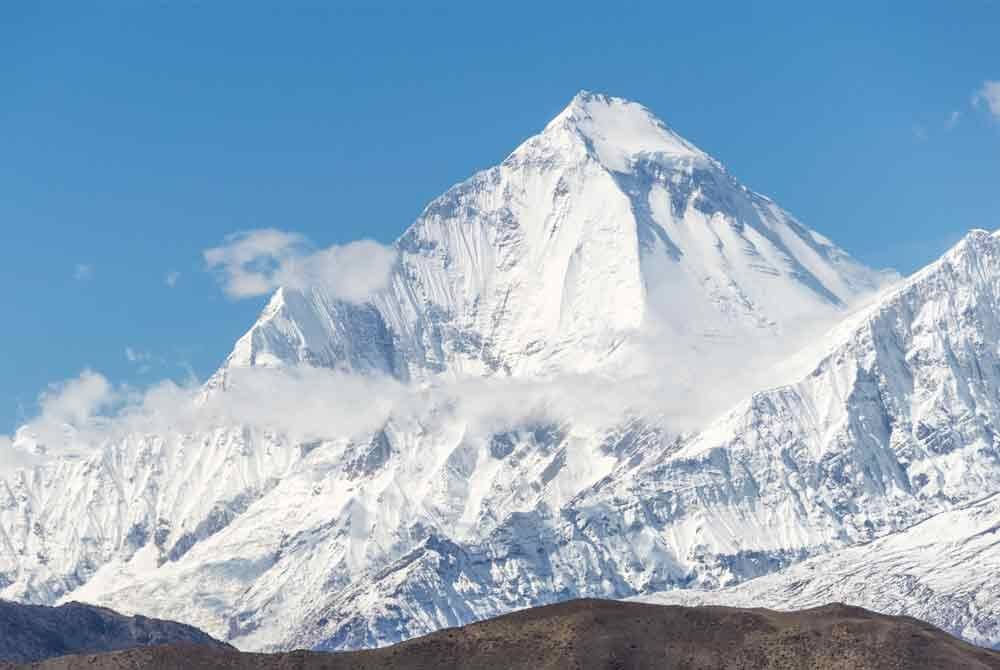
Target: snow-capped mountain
[(604, 223), (533, 459)]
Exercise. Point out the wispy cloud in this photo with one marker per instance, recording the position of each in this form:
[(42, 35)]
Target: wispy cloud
[(952, 120), (142, 360), (82, 272), (256, 262), (988, 96), (172, 277)]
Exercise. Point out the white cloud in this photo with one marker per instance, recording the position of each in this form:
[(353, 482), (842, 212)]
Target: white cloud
[(142, 360), (305, 403), (82, 272), (70, 420), (81, 416), (952, 120), (256, 262), (172, 277), (74, 401), (989, 97), (12, 457)]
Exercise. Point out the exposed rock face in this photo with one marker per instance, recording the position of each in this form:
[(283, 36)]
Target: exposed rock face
[(36, 632), (606, 635)]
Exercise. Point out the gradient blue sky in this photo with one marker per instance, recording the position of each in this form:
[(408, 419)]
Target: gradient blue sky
[(135, 136)]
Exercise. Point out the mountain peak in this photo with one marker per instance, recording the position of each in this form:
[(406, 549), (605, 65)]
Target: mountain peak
[(973, 244), (618, 130), (588, 233), (975, 248)]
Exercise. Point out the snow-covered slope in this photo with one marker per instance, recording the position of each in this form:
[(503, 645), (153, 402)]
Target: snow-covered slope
[(894, 423), (143, 499), (532, 459), (943, 570)]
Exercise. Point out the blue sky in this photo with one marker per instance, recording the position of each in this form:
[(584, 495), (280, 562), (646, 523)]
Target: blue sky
[(133, 138)]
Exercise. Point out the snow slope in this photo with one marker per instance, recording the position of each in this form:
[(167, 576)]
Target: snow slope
[(579, 329), (894, 424), (942, 570)]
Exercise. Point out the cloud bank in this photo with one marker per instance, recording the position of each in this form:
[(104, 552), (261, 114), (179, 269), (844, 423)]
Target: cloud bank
[(81, 416), (256, 262)]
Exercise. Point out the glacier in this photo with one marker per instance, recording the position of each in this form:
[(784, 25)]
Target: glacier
[(608, 369)]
